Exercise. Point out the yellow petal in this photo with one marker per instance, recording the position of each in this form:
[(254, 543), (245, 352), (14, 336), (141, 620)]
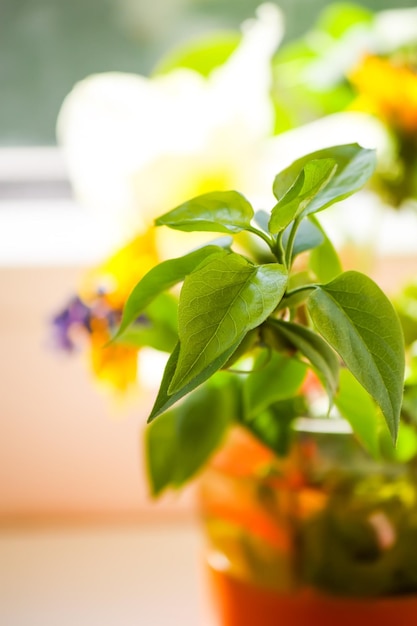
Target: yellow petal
[(388, 90), (117, 276), (114, 365)]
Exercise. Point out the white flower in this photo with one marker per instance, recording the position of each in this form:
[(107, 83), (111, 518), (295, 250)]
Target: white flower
[(137, 146)]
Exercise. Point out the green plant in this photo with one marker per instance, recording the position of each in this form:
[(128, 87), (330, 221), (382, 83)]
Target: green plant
[(251, 322)]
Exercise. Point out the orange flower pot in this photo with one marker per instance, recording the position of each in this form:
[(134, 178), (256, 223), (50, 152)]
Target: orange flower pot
[(242, 604), (323, 536)]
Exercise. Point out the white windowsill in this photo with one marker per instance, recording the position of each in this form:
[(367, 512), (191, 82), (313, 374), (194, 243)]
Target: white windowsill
[(48, 232), (56, 231), (111, 576)]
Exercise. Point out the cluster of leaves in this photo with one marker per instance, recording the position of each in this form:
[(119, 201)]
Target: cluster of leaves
[(268, 317)]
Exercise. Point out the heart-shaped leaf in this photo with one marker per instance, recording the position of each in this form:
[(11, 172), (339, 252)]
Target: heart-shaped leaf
[(217, 211), (219, 303), (313, 177), (355, 165), (162, 277), (315, 349), (359, 322)]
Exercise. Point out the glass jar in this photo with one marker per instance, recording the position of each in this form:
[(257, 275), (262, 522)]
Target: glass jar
[(325, 535)]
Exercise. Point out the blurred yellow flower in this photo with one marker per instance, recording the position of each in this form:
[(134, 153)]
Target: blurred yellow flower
[(115, 278), (114, 365), (387, 90), (107, 287), (91, 317)]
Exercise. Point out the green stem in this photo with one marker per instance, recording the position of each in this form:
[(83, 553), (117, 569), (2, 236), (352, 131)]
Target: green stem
[(279, 249), (290, 242), (270, 242), (300, 289)]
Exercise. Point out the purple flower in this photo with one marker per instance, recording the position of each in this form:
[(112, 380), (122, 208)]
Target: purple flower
[(76, 315)]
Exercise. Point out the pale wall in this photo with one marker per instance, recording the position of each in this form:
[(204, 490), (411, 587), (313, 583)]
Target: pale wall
[(65, 451)]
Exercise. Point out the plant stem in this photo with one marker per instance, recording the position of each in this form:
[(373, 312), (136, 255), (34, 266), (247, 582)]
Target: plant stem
[(290, 242), (300, 289), (268, 240), (279, 248)]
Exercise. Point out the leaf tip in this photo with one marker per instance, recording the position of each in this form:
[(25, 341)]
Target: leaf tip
[(153, 414)]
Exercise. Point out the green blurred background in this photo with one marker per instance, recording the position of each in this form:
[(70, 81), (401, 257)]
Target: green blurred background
[(48, 45)]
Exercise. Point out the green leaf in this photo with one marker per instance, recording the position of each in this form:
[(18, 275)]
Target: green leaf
[(217, 211), (360, 323), (162, 277), (262, 219), (324, 260), (164, 400), (274, 377), (406, 306), (315, 349), (248, 343), (180, 442), (406, 447), (202, 55), (313, 177), (355, 165), (358, 408), (158, 328), (219, 303), (274, 426), (336, 19)]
